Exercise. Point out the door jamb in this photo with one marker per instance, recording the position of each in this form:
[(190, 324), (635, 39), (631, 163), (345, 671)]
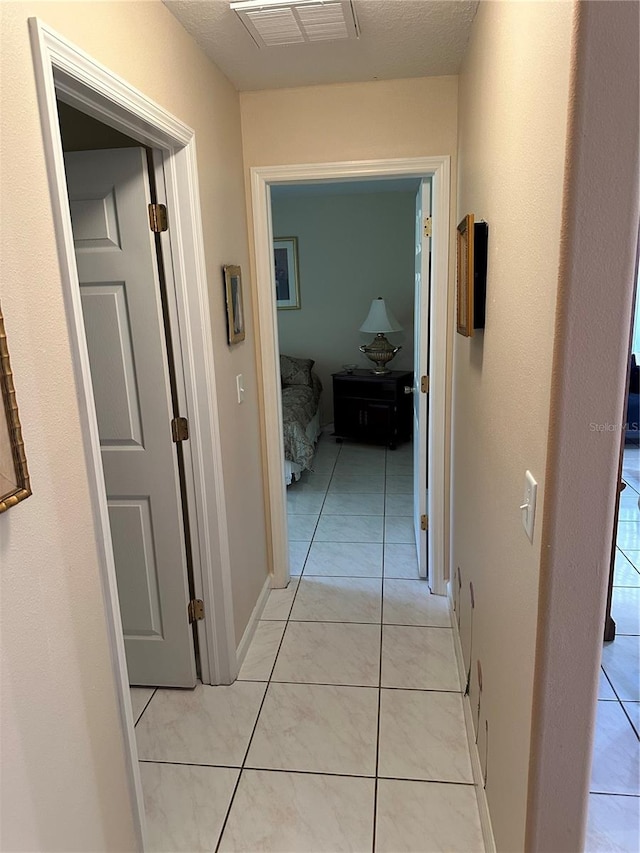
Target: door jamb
[(262, 177), (63, 70)]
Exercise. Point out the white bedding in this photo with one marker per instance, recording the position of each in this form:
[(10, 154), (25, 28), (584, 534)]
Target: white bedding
[(292, 470)]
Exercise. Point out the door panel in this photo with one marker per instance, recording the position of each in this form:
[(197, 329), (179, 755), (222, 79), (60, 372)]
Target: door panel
[(124, 324), (136, 567), (95, 222), (113, 373), (421, 368)]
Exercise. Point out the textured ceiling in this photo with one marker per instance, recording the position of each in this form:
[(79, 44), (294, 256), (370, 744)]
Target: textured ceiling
[(398, 38)]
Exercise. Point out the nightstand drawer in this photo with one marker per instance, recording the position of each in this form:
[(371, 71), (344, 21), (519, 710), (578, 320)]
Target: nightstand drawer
[(383, 390)]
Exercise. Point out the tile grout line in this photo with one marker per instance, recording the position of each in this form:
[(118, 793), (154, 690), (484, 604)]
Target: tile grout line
[(155, 690), (615, 692), (351, 541), (617, 700), (236, 786), (325, 773), (357, 776), (629, 720), (376, 783), (315, 529), (387, 624), (365, 686), (613, 794)]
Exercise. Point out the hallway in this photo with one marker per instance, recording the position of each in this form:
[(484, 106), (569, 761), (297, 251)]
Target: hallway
[(345, 729)]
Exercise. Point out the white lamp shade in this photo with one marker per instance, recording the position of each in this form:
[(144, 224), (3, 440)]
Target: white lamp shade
[(380, 319)]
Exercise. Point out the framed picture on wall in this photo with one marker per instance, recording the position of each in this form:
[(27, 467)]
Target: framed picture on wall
[(14, 476), (471, 275), (235, 310), (287, 284)]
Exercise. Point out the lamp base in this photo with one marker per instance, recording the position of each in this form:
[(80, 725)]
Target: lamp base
[(380, 351)]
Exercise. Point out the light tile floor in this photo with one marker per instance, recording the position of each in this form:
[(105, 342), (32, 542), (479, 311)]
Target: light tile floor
[(614, 805), (321, 743), (345, 728)]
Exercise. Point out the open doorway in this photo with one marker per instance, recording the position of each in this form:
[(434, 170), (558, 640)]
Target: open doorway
[(346, 253), (433, 172)]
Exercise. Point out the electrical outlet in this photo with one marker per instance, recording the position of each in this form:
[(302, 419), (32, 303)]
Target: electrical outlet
[(528, 507)]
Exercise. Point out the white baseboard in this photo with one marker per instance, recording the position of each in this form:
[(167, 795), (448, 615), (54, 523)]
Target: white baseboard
[(483, 805), (250, 630)]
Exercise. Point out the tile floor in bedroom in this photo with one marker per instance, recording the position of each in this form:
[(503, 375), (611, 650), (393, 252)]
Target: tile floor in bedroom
[(345, 730), (614, 802)]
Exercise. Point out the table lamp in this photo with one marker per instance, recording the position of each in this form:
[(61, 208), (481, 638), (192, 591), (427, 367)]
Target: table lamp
[(380, 320)]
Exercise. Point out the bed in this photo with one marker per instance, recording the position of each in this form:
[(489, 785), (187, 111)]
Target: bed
[(301, 390)]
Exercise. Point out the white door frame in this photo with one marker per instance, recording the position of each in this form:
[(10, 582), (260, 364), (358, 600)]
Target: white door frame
[(63, 70), (422, 307), (262, 177)]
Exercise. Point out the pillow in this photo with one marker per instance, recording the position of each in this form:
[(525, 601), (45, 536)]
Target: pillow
[(295, 371)]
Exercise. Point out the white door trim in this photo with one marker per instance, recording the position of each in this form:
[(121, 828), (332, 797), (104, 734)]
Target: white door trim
[(422, 307), (262, 177), (63, 70)]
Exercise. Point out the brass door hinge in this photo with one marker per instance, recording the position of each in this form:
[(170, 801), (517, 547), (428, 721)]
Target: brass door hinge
[(158, 218), (424, 384), (427, 227), (179, 429), (424, 522), (195, 610)]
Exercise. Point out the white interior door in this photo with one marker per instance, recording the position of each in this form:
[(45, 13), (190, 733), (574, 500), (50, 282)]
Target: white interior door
[(420, 369), (124, 324)]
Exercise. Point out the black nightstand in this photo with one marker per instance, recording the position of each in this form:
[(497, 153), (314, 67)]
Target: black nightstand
[(372, 408)]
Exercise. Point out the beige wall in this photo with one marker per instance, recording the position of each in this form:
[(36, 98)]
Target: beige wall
[(512, 133), (352, 248), (350, 121), (64, 785)]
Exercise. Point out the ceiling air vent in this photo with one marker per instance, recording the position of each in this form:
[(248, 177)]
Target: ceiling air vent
[(276, 22)]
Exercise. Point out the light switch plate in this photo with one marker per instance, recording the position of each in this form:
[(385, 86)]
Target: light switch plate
[(240, 387), (528, 507)]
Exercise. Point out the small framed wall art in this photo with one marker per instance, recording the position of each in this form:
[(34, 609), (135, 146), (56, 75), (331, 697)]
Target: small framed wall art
[(235, 309), (471, 275), (14, 476), (285, 257)]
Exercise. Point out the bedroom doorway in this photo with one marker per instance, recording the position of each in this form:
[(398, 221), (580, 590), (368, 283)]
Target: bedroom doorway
[(432, 343), (359, 247)]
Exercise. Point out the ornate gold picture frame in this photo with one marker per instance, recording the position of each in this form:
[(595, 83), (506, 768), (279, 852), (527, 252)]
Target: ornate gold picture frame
[(14, 476)]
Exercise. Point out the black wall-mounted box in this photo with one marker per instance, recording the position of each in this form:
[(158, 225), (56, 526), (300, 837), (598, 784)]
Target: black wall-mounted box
[(480, 246)]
